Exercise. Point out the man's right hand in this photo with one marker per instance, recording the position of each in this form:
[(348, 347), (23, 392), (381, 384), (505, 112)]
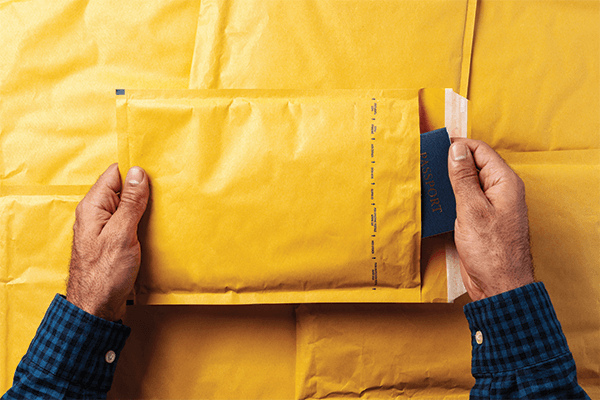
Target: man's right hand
[(491, 230)]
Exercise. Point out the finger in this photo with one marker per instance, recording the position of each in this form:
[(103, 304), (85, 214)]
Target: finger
[(465, 181), (134, 199), (498, 181), (98, 205), (493, 169)]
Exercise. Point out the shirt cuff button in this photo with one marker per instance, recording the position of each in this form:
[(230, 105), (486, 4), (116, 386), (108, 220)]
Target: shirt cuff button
[(479, 337), (110, 357)]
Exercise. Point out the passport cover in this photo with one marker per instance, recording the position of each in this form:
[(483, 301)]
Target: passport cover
[(438, 206)]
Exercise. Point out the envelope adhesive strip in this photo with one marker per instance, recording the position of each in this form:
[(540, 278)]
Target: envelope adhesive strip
[(264, 196)]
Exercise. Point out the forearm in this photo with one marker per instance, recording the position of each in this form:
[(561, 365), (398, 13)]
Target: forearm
[(519, 349), (71, 355)]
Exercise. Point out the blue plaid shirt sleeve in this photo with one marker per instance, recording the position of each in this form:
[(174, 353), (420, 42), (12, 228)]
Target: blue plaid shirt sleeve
[(67, 358), (519, 349)]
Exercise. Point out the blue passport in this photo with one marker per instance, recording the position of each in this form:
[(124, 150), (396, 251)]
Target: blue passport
[(438, 205)]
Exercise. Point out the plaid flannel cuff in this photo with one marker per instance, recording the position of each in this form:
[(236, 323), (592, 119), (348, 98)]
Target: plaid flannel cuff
[(514, 330), (75, 346)]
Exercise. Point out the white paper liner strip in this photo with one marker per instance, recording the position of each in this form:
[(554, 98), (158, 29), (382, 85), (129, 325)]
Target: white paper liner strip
[(456, 120)]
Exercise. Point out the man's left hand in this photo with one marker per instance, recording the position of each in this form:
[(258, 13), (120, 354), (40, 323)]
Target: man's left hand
[(106, 255)]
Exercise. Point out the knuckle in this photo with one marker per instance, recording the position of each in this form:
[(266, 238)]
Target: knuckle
[(517, 184), (464, 173), (520, 184), (80, 209), (79, 229), (123, 239), (133, 200)]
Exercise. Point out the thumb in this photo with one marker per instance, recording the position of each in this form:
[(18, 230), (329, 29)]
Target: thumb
[(134, 199), (464, 178)]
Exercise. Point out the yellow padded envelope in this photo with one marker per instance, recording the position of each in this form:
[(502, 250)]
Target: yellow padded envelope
[(276, 196), (340, 44)]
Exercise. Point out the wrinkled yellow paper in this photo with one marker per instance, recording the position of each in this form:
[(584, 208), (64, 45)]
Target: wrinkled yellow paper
[(333, 44), (213, 352), (61, 62), (276, 196), (382, 351), (534, 87), (34, 259), (563, 192)]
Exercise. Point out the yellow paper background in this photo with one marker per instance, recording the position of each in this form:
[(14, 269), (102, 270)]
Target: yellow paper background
[(564, 226), (220, 352), (533, 88), (34, 255), (276, 196), (382, 351), (61, 62), (333, 44)]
